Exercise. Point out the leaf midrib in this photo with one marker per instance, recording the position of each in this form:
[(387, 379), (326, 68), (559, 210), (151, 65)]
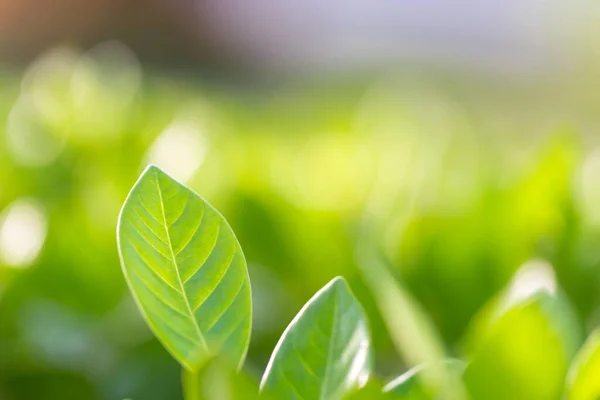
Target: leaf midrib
[(324, 388), (174, 260)]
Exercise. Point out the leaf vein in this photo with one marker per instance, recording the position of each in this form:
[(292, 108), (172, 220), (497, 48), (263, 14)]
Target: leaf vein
[(303, 361), (141, 218), (148, 242), (162, 300), (235, 328), (189, 240), (145, 207), (324, 388), (155, 272), (201, 264), (229, 305), (291, 384), (187, 302), (225, 270), (181, 214)]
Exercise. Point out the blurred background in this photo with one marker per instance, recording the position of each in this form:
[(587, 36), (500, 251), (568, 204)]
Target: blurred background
[(466, 133)]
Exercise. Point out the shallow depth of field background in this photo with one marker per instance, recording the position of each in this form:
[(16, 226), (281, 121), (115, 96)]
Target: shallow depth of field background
[(467, 134)]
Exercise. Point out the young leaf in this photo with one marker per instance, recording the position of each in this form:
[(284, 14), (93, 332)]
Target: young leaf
[(529, 345), (412, 331), (411, 386), (186, 271), (583, 380), (325, 352)]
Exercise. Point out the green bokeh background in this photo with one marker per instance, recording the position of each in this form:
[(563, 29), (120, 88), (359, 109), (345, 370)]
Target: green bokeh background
[(463, 192)]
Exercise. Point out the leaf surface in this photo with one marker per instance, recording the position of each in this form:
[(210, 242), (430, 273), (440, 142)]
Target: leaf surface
[(186, 271), (324, 353), (583, 380), (530, 345)]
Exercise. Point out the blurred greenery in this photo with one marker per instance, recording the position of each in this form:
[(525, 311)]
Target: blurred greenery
[(410, 386), (462, 194), (582, 380)]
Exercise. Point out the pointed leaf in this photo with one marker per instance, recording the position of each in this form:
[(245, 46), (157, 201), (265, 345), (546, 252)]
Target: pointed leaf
[(529, 345), (583, 380), (186, 271), (325, 352)]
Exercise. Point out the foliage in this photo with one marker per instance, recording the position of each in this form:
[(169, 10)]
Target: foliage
[(459, 196), (325, 351), (186, 270)]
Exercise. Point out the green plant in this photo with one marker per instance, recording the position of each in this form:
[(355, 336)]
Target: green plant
[(188, 274)]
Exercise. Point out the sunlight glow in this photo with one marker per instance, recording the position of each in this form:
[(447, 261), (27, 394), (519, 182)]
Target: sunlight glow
[(47, 85), (29, 142), (23, 229), (359, 372), (589, 188), (534, 276), (180, 150)]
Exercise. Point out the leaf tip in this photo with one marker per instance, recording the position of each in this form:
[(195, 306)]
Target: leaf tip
[(151, 169), (339, 285), (338, 281)]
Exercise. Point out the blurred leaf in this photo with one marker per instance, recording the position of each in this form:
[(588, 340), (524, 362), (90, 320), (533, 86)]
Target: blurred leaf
[(529, 346), (410, 385), (412, 332), (186, 270), (583, 380), (325, 351), (220, 380), (373, 390)]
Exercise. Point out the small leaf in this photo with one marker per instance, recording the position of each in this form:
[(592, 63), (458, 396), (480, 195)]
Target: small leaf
[(186, 271), (373, 390), (412, 386), (529, 345), (219, 380), (411, 330), (325, 352), (583, 380)]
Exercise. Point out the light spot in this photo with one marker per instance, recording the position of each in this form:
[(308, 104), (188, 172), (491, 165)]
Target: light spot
[(104, 84), (29, 141), (180, 150), (116, 73), (358, 348), (47, 86), (533, 277), (23, 229)]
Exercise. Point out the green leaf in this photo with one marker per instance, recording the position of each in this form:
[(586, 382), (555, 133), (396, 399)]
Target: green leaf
[(529, 345), (583, 380), (325, 352), (412, 386), (186, 271), (373, 390), (412, 331), (220, 380)]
